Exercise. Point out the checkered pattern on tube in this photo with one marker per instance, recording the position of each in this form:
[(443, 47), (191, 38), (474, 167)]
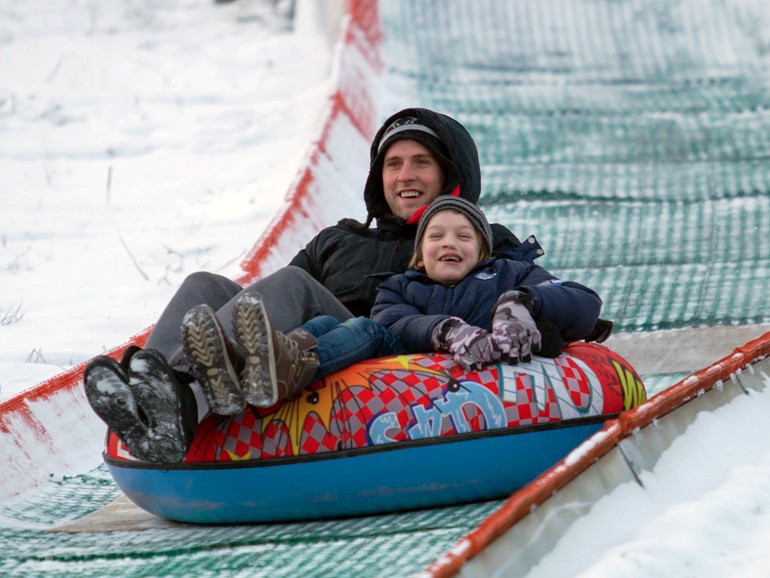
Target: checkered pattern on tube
[(575, 381), (532, 404), (528, 401)]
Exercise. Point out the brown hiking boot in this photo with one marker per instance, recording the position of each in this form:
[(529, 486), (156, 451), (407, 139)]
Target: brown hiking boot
[(213, 360), (277, 366)]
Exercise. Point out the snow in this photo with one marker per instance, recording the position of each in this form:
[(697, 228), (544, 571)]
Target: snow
[(142, 141), (703, 511)]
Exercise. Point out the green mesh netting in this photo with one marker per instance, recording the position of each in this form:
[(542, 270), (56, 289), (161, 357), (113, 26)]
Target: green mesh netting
[(630, 136), (366, 547)]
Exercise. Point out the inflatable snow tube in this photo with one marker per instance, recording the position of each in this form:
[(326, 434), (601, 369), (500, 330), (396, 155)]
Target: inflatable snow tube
[(387, 434)]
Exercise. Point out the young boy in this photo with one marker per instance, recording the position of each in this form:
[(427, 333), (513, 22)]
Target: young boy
[(456, 297)]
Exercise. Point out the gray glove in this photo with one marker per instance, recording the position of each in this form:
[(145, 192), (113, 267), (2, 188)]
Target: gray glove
[(473, 347), (513, 328)]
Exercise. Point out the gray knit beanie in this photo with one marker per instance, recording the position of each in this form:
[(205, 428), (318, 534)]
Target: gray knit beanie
[(447, 202)]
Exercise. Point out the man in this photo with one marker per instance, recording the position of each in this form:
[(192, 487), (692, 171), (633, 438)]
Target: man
[(154, 398)]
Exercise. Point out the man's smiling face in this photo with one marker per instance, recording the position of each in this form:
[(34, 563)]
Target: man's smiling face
[(411, 177)]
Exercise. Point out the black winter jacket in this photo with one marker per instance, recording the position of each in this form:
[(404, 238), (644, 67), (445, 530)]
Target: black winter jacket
[(345, 256)]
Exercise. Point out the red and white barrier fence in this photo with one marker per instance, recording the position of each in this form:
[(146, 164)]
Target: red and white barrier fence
[(51, 428), (722, 380)]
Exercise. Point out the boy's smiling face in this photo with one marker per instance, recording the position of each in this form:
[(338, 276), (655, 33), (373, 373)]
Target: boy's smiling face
[(450, 247)]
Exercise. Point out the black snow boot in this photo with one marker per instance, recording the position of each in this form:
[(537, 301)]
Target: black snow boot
[(142, 401)]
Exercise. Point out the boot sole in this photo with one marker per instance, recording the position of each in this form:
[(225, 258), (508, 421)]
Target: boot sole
[(111, 398), (204, 346), (254, 336), (127, 400), (168, 405)]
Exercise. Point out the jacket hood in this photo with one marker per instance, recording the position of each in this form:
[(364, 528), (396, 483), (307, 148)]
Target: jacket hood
[(448, 139)]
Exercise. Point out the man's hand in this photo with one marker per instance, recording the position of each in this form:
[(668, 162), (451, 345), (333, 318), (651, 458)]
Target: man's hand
[(473, 347), (513, 328)]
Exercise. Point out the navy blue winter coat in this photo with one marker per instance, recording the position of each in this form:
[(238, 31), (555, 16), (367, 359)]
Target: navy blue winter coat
[(410, 304)]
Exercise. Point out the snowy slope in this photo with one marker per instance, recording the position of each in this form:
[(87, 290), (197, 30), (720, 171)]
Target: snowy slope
[(703, 511), (142, 141)]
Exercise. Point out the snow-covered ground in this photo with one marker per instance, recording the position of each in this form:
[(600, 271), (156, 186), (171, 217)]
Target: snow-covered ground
[(139, 142), (143, 140), (702, 512)]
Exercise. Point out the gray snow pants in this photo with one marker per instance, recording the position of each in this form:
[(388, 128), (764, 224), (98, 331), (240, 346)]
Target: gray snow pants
[(291, 297)]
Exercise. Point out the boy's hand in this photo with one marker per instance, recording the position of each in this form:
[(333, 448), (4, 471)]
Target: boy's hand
[(513, 328), (473, 347)]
